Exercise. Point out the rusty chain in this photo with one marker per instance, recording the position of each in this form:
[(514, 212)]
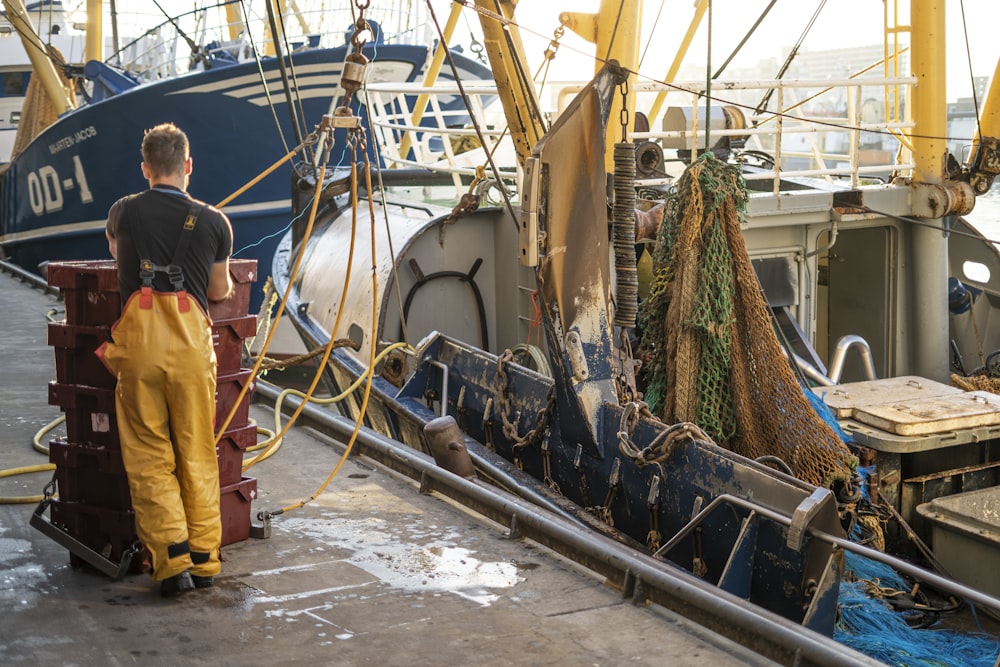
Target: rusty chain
[(659, 449), (504, 407)]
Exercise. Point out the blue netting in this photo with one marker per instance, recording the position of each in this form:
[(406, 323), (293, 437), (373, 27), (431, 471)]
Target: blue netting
[(824, 411), (872, 627)]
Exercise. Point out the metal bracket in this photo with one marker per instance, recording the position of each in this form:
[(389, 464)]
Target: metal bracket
[(577, 359), (804, 515), (262, 531), (112, 569), (527, 240)]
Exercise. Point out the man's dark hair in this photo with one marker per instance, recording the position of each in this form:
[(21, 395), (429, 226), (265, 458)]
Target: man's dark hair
[(165, 149)]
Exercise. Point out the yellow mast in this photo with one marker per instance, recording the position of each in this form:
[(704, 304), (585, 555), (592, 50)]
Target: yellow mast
[(42, 67), (516, 90), (930, 194), (989, 118), (929, 98), (616, 30), (235, 20), (94, 47)]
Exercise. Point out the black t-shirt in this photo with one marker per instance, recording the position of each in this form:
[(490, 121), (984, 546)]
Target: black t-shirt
[(153, 221)]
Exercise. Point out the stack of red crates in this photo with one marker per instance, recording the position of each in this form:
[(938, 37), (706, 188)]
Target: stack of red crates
[(94, 505)]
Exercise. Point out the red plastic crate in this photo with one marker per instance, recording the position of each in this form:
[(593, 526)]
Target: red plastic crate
[(90, 413), (98, 429), (244, 273), (91, 475), (235, 509), (107, 531), (92, 419), (227, 389), (89, 290), (76, 363), (229, 452), (227, 338)]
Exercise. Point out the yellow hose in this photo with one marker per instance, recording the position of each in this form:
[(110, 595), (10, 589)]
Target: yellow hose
[(24, 470), (36, 443)]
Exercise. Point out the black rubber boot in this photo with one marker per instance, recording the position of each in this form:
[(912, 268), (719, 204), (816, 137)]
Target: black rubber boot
[(176, 585), (202, 582)]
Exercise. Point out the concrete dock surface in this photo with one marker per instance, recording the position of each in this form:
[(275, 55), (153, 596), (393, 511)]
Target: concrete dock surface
[(370, 573)]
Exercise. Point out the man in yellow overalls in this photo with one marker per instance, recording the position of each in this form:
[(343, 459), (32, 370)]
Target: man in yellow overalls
[(172, 253)]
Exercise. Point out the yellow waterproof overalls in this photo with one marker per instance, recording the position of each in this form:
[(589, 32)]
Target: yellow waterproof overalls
[(163, 357)]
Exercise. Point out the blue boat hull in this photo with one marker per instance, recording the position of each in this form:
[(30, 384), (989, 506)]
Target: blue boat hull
[(55, 195)]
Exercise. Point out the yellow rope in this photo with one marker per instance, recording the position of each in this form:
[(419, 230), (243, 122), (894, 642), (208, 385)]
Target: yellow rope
[(371, 355)]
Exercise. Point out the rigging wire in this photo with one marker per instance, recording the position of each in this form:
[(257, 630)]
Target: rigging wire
[(762, 105), (930, 225), (280, 60), (972, 78), (614, 31), (195, 51), (300, 119), (677, 88), (263, 77), (746, 38), (522, 76), (652, 31), (394, 271)]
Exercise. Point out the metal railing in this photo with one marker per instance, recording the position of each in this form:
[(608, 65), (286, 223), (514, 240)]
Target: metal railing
[(445, 139), (836, 130)]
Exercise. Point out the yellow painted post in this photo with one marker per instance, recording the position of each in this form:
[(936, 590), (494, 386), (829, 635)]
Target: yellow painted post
[(432, 74), (615, 30), (94, 46), (930, 96), (502, 40), (235, 20), (929, 253)]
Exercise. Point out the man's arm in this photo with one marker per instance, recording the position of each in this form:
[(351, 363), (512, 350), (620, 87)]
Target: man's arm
[(220, 282), (112, 243), (111, 228)]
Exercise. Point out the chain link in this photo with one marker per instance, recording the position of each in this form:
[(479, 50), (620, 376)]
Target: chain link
[(504, 407), (624, 112), (553, 47), (660, 448), (614, 481), (547, 478)]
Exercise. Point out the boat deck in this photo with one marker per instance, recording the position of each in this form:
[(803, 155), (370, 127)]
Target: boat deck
[(372, 572)]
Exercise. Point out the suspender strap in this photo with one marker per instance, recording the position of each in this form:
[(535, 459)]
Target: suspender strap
[(174, 270)]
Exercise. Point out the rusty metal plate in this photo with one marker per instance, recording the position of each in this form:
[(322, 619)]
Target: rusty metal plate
[(843, 399), (934, 414)]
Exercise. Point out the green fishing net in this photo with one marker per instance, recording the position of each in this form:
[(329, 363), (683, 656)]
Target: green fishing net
[(710, 353)]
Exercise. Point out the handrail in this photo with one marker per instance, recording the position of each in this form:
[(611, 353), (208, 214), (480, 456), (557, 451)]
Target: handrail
[(820, 137)]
